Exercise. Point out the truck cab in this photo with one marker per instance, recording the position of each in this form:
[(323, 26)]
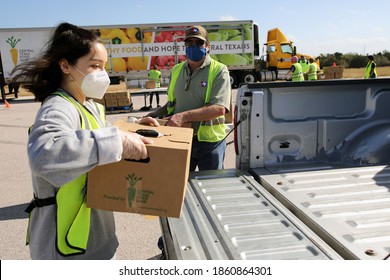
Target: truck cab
[(279, 51)]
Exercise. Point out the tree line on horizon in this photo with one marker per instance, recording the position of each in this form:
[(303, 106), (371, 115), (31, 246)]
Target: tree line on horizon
[(353, 60)]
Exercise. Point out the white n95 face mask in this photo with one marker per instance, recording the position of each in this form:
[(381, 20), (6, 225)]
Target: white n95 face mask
[(95, 84)]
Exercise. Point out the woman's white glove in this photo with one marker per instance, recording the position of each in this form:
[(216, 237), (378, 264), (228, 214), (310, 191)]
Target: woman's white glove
[(134, 145)]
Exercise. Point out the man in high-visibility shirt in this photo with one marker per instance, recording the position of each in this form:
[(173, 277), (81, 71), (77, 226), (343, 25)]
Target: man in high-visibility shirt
[(304, 64), (370, 68), (199, 93), (312, 73), (155, 75), (295, 71)]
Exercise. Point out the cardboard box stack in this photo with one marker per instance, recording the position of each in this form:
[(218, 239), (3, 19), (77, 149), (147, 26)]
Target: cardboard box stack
[(156, 186), (333, 72), (119, 98)]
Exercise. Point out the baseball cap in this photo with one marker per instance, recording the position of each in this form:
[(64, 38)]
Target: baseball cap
[(196, 32)]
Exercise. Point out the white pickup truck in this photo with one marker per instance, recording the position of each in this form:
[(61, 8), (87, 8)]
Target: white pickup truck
[(312, 179)]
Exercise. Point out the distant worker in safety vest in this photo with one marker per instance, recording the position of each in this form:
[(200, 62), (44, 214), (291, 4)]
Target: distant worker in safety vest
[(295, 71), (70, 136), (312, 73), (199, 93), (155, 75), (304, 64), (370, 68)]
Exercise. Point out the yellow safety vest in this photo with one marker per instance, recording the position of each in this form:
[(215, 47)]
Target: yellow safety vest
[(73, 217), (297, 75), (155, 75), (368, 69), (313, 74), (304, 64), (209, 131)]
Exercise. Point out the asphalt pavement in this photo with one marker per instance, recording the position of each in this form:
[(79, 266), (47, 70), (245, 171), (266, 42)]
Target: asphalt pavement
[(138, 234)]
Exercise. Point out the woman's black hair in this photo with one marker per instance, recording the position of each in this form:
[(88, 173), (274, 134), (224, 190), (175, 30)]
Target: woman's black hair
[(43, 75)]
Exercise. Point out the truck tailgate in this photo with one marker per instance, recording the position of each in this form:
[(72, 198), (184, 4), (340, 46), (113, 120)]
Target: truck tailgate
[(349, 208), (228, 215)]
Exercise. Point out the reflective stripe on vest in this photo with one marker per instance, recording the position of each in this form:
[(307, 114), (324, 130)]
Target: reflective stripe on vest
[(209, 131), (313, 74), (297, 75), (73, 217)]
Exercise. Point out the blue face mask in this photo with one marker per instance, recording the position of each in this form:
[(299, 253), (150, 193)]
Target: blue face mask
[(195, 53)]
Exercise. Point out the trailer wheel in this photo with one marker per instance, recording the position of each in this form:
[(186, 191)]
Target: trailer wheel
[(233, 80), (249, 78)]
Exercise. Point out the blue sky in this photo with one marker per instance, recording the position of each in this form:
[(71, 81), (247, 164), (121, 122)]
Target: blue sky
[(325, 27)]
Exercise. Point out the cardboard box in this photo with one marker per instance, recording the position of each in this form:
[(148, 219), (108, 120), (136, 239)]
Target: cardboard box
[(156, 187), (338, 75), (333, 69), (329, 76), (111, 103), (150, 84), (123, 94), (110, 95), (124, 101)]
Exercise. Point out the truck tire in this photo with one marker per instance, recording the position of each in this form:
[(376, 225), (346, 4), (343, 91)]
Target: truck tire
[(233, 80), (249, 77)]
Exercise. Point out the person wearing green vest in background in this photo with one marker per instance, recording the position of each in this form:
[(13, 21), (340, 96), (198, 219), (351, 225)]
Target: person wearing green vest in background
[(155, 75), (304, 64), (312, 73), (199, 93), (370, 68), (69, 137), (295, 71)]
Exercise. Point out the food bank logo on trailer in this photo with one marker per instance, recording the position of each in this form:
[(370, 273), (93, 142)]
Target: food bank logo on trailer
[(13, 51), (20, 46)]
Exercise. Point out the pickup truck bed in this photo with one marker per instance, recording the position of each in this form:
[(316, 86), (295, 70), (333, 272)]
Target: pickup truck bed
[(312, 178), (228, 215)]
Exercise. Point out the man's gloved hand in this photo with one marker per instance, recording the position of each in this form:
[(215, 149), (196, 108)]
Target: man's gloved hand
[(149, 121), (144, 120), (134, 145)]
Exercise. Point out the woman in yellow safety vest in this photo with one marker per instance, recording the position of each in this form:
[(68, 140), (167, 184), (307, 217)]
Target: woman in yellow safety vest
[(69, 137)]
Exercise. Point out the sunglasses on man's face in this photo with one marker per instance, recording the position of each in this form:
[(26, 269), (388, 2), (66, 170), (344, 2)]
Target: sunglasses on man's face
[(197, 42)]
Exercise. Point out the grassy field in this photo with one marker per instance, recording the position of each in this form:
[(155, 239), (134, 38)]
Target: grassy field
[(359, 72)]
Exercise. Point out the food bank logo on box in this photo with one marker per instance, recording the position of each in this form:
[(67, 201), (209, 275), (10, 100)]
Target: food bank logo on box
[(135, 193), (131, 190)]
